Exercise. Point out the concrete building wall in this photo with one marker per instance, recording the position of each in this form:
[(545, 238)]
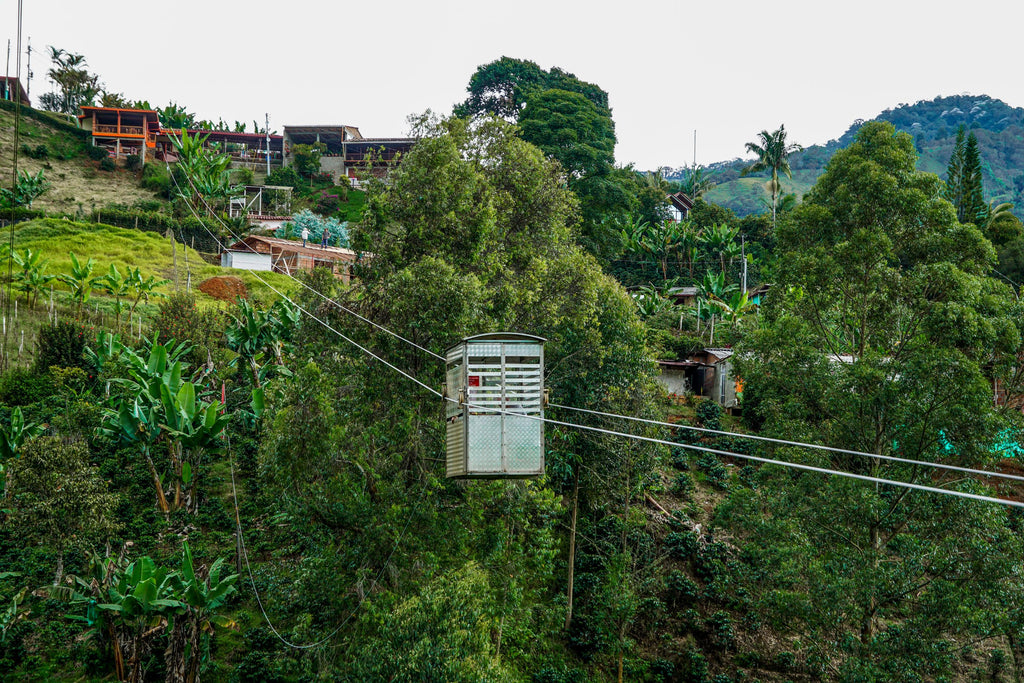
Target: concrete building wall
[(333, 165), (248, 261)]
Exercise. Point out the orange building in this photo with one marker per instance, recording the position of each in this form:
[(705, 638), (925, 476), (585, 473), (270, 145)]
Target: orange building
[(122, 132)]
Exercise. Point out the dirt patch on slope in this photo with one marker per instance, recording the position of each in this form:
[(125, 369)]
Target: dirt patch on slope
[(224, 287)]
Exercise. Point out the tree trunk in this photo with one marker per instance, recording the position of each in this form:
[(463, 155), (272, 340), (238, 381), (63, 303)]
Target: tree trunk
[(572, 550), (60, 568), (161, 499)]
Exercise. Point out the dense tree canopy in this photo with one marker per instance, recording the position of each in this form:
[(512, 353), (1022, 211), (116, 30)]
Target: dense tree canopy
[(885, 333)]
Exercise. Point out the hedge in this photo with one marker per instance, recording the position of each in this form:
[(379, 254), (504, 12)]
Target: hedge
[(185, 230)]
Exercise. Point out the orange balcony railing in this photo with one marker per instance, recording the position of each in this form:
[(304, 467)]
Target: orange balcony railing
[(115, 130)]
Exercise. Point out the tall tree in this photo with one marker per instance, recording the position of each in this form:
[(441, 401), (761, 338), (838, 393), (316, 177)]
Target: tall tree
[(503, 86), (772, 155), (964, 187), (973, 208), (76, 87), (889, 330), (954, 189)]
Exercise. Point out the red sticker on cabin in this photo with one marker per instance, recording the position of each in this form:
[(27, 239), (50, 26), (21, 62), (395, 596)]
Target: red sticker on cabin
[(474, 380)]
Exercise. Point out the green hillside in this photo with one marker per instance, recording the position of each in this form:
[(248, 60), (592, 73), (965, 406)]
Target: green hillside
[(933, 125)]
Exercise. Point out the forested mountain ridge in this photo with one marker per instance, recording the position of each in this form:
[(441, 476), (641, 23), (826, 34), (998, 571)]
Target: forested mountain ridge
[(933, 124)]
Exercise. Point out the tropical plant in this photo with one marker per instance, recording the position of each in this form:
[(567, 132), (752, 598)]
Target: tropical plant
[(162, 408), (76, 86), (32, 277), (256, 333), (117, 286), (133, 604), (26, 190), (696, 182), (772, 155), (720, 239), (80, 281), (202, 168), (142, 289)]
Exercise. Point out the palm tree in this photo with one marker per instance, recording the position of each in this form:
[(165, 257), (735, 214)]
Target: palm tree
[(696, 182), (772, 154)]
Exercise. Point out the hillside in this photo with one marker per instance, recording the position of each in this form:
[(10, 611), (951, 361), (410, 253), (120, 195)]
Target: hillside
[(78, 184), (933, 125)]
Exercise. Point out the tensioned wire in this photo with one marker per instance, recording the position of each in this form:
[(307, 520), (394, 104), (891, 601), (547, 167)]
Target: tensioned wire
[(889, 458), (785, 442), (767, 461), (251, 249), (241, 538)]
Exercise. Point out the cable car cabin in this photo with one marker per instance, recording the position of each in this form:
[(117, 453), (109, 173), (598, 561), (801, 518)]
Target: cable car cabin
[(494, 407)]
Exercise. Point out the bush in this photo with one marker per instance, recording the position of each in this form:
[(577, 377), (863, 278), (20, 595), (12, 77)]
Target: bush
[(156, 178), (97, 153), (133, 162), (283, 177), (709, 414), (327, 204), (37, 152), (21, 386), (178, 318), (61, 344), (107, 164)]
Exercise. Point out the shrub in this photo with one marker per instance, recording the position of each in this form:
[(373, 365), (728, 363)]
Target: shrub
[(97, 153), (37, 152), (682, 485), (180, 319), (60, 344), (148, 205), (107, 164), (709, 414), (21, 386), (283, 177), (133, 162), (712, 467), (156, 178), (327, 204)]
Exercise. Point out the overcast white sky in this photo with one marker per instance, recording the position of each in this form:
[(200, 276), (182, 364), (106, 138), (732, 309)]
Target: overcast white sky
[(726, 69)]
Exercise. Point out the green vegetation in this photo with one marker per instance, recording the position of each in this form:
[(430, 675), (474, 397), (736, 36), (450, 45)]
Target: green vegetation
[(256, 491)]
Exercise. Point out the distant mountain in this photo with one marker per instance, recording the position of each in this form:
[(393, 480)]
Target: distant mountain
[(933, 125)]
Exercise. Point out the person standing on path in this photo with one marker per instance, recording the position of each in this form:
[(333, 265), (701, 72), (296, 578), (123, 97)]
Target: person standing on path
[(305, 236), (323, 240)]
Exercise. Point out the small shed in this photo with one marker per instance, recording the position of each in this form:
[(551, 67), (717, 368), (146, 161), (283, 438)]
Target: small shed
[(246, 259), (494, 407), (290, 256)]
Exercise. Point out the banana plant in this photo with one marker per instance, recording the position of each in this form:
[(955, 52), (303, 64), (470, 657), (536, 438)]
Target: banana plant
[(117, 286), (11, 611), (142, 289), (256, 334), (163, 408), (32, 277), (192, 625), (81, 282), (11, 440)]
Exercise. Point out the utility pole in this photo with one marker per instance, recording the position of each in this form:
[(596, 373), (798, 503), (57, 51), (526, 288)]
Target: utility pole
[(266, 130), (743, 255), (28, 69), (7, 74)]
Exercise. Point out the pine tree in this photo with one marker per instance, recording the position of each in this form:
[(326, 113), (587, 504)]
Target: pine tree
[(972, 208), (954, 172), (964, 187)]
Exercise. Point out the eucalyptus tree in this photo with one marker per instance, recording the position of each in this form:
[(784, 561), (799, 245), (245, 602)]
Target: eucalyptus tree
[(772, 155), (890, 333)]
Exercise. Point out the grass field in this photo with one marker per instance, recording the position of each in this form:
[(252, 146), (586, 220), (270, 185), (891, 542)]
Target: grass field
[(151, 253)]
